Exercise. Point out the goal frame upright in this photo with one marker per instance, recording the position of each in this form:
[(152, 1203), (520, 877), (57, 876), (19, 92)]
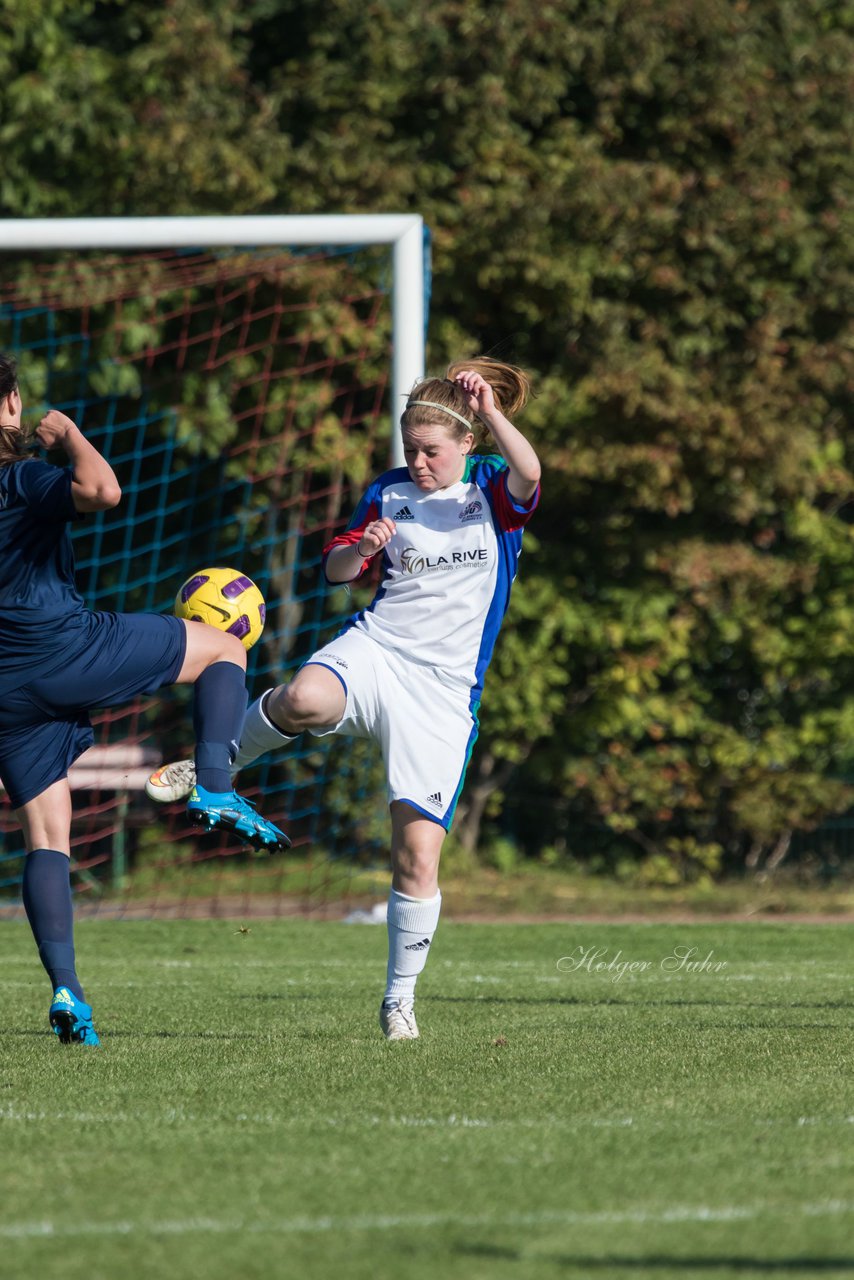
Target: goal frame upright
[(402, 232)]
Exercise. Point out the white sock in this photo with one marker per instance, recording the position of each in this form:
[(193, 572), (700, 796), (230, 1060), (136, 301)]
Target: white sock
[(258, 736), (411, 925)]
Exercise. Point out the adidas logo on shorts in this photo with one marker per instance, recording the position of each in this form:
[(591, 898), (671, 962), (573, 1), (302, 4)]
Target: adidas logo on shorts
[(436, 799), (404, 514)]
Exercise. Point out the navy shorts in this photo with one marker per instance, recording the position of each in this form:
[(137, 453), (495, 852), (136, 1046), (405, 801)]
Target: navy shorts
[(44, 725)]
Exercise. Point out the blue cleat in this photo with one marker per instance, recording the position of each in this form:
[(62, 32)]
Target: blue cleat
[(71, 1019), (227, 811)]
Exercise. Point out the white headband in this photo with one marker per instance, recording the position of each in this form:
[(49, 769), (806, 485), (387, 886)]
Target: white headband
[(431, 404)]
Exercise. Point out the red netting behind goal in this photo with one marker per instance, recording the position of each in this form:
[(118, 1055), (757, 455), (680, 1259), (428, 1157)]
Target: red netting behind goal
[(242, 400)]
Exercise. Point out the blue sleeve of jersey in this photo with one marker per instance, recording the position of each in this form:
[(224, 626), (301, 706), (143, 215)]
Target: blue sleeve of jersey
[(491, 472), (47, 489), (485, 467), (370, 504), (369, 508)]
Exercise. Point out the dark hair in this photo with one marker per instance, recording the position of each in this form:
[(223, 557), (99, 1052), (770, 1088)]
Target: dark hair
[(8, 376), (14, 444), (510, 386)]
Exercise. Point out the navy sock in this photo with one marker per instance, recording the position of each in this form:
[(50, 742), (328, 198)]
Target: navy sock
[(219, 706), (47, 902)]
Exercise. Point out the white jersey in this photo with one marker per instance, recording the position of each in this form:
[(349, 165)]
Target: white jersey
[(448, 570)]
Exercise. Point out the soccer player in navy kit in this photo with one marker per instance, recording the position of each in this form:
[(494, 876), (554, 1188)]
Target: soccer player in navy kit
[(59, 659), (408, 671)]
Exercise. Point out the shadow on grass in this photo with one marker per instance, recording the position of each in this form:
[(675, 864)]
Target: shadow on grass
[(286, 997), (681, 1265), (38, 1034), (180, 1035), (640, 1002)]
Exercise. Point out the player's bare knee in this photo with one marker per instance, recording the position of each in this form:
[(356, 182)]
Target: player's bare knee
[(292, 708), (415, 876), (307, 702), (405, 861), (228, 649), (416, 865), (205, 646)]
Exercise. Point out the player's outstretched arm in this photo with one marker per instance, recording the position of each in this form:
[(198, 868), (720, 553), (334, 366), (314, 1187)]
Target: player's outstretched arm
[(94, 486), (522, 461), (343, 564)]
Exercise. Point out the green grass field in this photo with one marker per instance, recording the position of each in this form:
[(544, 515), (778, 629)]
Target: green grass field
[(244, 1117)]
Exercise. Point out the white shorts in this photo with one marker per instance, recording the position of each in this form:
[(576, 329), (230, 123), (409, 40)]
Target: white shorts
[(425, 728)]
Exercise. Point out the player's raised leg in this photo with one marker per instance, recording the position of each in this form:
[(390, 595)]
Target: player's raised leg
[(314, 699), (46, 823), (215, 663), (413, 914)]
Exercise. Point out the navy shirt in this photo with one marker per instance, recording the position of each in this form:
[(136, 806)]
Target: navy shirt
[(40, 606)]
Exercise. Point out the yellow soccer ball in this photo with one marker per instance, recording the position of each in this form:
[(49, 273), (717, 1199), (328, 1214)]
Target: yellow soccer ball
[(224, 598)]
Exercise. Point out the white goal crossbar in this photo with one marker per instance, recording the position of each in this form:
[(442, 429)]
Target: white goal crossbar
[(403, 232)]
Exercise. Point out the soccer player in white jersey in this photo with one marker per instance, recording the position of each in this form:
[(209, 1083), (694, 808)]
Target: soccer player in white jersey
[(408, 670)]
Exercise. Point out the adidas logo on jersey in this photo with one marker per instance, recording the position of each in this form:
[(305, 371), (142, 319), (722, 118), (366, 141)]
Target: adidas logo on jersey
[(404, 514), (436, 799), (418, 946)]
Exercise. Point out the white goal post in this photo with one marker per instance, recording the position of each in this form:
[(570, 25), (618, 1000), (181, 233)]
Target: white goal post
[(403, 232)]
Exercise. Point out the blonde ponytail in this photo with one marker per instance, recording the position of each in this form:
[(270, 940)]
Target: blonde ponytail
[(510, 386)]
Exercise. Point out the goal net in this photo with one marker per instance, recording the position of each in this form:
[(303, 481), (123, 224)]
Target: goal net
[(244, 398)]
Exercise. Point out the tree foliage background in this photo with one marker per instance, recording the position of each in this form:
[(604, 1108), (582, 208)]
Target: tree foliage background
[(648, 205)]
